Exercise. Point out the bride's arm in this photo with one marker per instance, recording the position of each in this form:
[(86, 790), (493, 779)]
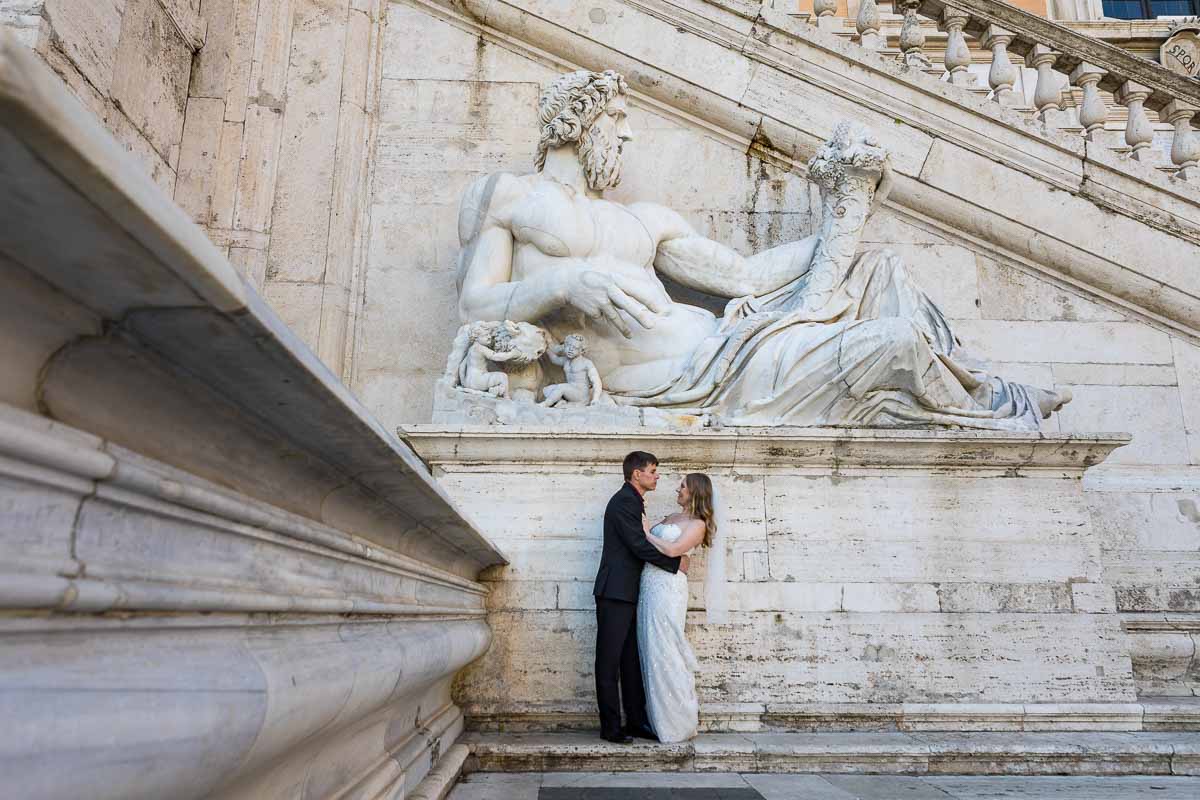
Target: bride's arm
[(691, 536)]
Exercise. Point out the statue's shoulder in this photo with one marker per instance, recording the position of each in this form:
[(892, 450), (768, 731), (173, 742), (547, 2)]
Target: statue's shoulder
[(662, 222), (494, 196)]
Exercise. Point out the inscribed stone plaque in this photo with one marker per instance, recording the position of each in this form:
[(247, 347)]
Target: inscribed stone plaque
[(1181, 53)]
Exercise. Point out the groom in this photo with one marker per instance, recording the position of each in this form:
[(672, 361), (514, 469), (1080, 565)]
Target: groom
[(616, 591)]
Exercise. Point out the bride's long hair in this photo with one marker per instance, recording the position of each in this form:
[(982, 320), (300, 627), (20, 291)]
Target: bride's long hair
[(700, 504)]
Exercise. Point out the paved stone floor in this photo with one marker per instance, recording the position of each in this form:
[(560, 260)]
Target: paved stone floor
[(701, 786)]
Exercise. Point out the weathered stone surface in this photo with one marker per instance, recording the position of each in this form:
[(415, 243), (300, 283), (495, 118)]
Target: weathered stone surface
[(1008, 293), (150, 74), (876, 591), (88, 32), (256, 181), (303, 197), (1187, 365), (930, 754), (1151, 413)]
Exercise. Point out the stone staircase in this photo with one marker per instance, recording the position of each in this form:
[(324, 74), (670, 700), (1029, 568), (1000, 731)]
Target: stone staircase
[(890, 753), (1083, 85)]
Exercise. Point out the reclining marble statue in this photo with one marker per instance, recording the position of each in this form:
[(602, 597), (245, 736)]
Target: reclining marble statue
[(813, 334)]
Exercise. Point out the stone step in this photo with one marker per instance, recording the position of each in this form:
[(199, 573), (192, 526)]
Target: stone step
[(1170, 713), (1157, 753)]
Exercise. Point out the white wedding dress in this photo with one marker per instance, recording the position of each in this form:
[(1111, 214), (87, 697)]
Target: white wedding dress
[(668, 663)]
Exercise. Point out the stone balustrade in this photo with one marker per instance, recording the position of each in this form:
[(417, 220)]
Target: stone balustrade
[(1064, 60)]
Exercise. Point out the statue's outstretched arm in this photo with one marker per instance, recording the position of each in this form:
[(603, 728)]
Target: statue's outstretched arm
[(693, 260)]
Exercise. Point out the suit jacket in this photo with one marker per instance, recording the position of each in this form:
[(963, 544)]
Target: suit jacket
[(626, 548)]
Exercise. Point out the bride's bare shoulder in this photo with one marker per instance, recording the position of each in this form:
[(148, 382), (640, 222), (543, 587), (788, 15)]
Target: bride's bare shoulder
[(685, 521)]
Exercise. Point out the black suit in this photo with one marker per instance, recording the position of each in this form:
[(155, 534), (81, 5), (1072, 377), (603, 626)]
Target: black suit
[(616, 592)]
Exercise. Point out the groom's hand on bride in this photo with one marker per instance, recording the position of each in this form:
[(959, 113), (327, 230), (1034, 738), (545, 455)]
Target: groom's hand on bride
[(683, 564)]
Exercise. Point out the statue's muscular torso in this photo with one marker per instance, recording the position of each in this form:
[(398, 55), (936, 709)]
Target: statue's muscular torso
[(553, 227)]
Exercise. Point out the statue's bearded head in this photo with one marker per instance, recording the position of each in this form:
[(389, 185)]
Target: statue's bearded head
[(587, 109)]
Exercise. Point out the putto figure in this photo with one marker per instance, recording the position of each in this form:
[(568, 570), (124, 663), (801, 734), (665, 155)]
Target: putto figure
[(479, 345), (583, 386), (812, 333), (473, 371)]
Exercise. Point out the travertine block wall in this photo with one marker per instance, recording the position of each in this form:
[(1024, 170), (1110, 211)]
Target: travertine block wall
[(853, 595), (252, 114), (127, 61), (274, 156)]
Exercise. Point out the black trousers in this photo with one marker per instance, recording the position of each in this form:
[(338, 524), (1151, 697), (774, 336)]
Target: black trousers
[(617, 657)]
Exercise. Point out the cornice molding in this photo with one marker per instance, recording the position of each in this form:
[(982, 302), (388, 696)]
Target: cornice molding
[(498, 447)]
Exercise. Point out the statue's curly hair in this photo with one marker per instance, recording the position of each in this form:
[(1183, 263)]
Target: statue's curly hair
[(570, 105)]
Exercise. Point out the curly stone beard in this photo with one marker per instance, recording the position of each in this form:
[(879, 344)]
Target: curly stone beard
[(601, 157)]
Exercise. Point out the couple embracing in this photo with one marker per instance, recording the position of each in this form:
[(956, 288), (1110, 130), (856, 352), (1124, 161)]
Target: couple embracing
[(641, 606)]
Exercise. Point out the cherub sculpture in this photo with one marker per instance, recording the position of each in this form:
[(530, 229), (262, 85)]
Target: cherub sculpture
[(582, 386), (517, 346), (473, 372)]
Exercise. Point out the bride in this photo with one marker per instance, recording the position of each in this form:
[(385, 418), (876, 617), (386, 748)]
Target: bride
[(668, 663)]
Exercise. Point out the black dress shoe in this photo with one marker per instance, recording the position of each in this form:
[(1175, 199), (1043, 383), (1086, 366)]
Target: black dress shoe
[(641, 732), (619, 738)]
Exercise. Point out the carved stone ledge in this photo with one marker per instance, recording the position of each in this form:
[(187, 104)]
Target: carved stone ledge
[(123, 533), (158, 345), (823, 448)]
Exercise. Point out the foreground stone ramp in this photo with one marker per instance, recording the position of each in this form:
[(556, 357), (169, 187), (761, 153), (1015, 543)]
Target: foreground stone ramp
[(219, 575), (867, 753)]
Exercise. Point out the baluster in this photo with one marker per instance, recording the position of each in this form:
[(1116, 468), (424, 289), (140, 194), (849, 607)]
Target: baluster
[(1139, 133), (867, 25), (825, 10), (958, 55), (912, 38), (1092, 111), (1047, 97), (1185, 147), (1003, 74)]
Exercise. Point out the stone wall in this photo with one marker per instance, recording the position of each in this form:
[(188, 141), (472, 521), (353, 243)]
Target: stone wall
[(127, 61), (274, 155), (252, 114), (947, 580)]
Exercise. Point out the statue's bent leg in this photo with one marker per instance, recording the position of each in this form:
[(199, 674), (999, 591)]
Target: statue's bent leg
[(893, 353), (552, 394)]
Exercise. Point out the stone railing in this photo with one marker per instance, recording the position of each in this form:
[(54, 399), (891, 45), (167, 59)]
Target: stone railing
[(1062, 57)]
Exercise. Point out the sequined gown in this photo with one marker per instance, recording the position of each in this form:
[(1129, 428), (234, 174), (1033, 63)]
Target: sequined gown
[(668, 663)]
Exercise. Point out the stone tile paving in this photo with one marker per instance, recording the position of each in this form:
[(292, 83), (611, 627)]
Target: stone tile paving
[(697, 786)]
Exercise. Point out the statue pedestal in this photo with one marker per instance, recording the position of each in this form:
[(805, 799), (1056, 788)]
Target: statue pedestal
[(912, 579)]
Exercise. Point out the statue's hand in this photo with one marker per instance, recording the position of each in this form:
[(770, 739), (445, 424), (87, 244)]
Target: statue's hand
[(604, 294)]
